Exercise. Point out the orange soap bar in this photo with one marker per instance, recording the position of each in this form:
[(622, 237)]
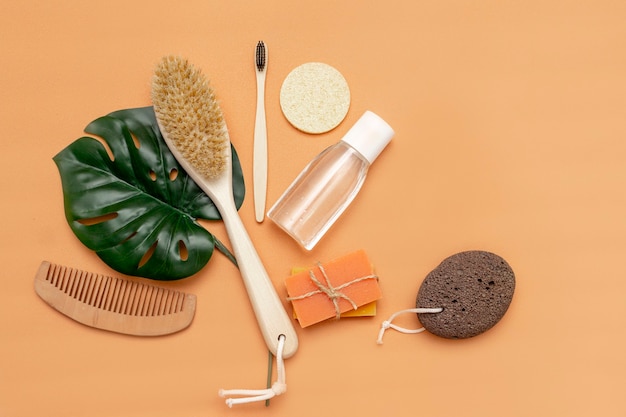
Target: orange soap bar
[(366, 310), (327, 290)]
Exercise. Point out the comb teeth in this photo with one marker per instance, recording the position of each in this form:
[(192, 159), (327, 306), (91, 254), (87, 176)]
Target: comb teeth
[(113, 303), (260, 56), (114, 294)]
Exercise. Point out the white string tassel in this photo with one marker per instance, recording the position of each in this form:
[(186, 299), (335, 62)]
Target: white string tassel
[(253, 395), (388, 323)]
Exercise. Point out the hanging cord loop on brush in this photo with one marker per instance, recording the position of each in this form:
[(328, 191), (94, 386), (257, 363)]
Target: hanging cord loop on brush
[(388, 323), (253, 395)]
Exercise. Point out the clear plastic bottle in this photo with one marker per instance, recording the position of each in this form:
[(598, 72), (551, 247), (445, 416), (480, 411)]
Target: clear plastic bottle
[(329, 183)]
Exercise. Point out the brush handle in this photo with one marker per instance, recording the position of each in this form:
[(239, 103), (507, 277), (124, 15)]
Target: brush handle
[(260, 150), (268, 308)]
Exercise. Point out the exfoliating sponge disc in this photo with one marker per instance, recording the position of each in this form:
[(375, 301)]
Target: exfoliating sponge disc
[(315, 97), (474, 288)]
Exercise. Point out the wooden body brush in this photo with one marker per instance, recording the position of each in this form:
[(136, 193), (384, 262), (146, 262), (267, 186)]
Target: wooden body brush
[(194, 129)]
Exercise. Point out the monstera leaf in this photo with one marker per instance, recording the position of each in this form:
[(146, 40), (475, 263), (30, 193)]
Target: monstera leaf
[(133, 204)]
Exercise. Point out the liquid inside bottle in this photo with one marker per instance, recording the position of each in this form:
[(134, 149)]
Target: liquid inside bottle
[(329, 183), (320, 194)]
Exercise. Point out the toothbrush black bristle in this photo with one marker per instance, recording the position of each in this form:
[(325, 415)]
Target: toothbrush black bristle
[(260, 56)]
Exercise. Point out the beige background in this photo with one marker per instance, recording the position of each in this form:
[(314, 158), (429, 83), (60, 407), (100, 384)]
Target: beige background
[(510, 128)]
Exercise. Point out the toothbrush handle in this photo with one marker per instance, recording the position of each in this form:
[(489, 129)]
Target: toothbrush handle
[(260, 151), (268, 308)]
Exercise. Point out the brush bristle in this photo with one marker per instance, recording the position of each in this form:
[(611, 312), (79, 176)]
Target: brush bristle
[(189, 115), (260, 56)]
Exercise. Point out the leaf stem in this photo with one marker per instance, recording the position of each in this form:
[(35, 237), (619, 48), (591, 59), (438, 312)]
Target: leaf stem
[(222, 248)]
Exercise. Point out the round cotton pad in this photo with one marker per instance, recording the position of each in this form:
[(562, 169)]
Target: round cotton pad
[(474, 288), (315, 97)]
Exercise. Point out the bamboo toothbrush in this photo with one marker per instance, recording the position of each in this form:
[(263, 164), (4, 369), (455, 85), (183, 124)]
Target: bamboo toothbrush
[(260, 135), (194, 129)]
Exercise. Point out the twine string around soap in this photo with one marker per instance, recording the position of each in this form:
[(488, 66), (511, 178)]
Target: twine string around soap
[(387, 324), (333, 293)]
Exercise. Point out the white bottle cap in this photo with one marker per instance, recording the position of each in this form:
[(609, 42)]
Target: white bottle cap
[(369, 136)]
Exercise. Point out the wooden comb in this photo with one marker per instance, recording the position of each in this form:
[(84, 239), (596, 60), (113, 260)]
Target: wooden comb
[(114, 304)]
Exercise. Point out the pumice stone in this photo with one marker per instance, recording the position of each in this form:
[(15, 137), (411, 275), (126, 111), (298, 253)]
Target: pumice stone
[(474, 288)]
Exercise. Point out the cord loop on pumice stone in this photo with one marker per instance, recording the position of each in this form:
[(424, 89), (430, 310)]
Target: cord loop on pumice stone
[(253, 395), (387, 324)]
